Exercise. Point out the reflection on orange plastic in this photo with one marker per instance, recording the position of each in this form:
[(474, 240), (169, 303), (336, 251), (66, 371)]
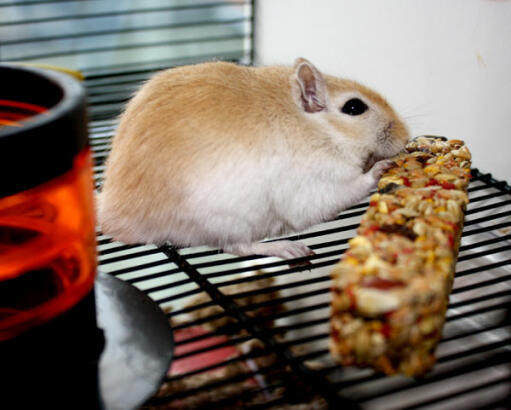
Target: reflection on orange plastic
[(47, 249), (12, 112)]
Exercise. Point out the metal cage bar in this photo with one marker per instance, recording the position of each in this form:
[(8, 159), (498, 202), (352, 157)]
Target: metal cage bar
[(291, 316)]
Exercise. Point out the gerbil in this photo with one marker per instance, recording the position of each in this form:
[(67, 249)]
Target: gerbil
[(224, 155)]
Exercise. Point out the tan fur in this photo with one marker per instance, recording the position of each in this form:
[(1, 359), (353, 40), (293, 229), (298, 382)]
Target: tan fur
[(190, 131)]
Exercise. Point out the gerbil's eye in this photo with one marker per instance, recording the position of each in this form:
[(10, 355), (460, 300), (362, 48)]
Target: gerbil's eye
[(354, 106)]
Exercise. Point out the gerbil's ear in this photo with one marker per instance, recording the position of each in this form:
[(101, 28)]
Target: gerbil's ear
[(311, 87)]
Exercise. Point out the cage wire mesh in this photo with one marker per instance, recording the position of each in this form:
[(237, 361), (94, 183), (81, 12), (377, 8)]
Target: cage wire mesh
[(252, 332), (116, 45), (255, 330)]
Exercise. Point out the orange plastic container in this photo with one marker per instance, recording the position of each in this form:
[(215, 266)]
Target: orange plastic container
[(47, 249), (47, 229)]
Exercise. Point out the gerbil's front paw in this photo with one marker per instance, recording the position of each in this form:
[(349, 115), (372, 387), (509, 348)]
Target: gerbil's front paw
[(380, 168)]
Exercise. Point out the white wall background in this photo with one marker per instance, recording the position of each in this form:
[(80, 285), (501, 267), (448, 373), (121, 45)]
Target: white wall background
[(445, 65)]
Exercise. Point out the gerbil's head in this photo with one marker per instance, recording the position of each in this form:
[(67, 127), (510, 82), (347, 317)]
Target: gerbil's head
[(353, 114)]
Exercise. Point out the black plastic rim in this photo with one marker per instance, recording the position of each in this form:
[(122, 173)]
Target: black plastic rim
[(45, 146)]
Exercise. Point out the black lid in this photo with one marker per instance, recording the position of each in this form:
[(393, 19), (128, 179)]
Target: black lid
[(44, 147)]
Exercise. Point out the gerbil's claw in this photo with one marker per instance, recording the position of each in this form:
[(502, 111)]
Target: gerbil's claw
[(302, 264)]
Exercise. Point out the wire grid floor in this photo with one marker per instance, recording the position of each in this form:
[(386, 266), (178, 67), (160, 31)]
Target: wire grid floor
[(287, 309)]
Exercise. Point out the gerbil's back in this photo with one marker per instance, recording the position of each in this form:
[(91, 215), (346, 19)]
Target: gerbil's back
[(188, 106), (185, 123), (189, 119)]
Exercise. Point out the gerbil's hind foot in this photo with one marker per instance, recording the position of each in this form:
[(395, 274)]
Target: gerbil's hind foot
[(282, 249)]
